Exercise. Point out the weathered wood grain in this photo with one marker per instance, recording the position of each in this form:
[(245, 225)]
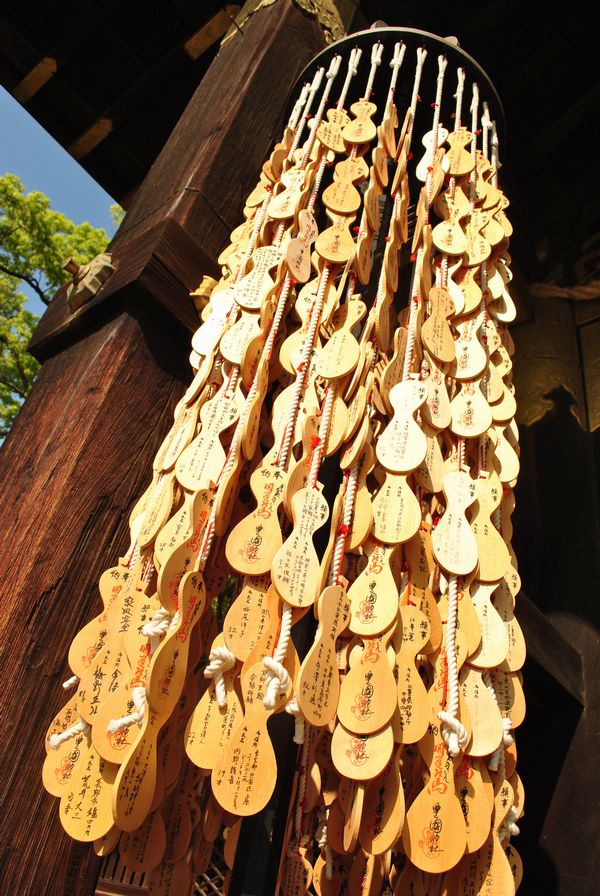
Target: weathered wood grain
[(76, 460)]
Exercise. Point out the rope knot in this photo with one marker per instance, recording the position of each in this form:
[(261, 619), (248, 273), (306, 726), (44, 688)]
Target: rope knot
[(138, 695), (81, 727), (507, 737), (278, 681), (220, 660), (157, 627), (292, 708), (454, 733)]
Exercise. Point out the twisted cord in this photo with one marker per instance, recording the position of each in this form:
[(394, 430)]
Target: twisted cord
[(136, 717), (277, 677), (220, 660), (81, 727), (453, 731)]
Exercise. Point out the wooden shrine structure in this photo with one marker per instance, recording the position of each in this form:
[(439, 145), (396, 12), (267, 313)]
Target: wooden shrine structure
[(113, 371)]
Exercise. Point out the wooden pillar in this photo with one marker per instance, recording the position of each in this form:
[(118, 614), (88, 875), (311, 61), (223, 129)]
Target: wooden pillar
[(82, 447)]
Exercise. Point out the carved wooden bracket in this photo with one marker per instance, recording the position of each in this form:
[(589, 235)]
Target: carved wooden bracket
[(87, 278)]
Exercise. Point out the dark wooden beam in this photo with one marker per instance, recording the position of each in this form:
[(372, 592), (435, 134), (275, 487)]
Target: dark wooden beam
[(550, 649), (73, 465), (234, 115), (160, 267), (558, 130)]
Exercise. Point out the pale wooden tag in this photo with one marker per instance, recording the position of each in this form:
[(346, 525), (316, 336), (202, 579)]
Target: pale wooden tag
[(402, 445), (85, 806), (295, 567), (396, 511), (368, 692), (453, 542), (361, 757), (383, 810), (318, 683)]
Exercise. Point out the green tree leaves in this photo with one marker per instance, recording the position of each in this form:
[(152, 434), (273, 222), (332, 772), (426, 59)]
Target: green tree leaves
[(35, 240)]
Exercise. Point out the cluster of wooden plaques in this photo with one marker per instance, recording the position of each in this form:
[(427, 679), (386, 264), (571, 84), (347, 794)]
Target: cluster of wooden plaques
[(356, 345)]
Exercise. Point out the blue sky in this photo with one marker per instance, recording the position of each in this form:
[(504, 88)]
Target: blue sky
[(28, 151)]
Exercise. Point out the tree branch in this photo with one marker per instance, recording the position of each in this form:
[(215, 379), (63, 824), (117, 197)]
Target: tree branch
[(13, 388), (25, 381), (31, 281)]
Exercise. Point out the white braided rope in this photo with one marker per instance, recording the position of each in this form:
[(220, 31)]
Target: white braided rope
[(495, 154), (220, 660), (299, 106), (497, 757), (317, 184), (486, 125), (307, 349), (396, 65), (324, 846), (81, 727), (442, 64), (421, 54), (332, 72), (353, 61), (158, 626), (474, 118), (138, 695), (412, 315), (509, 828), (70, 682), (453, 731), (376, 54), (458, 96), (323, 435), (292, 708), (340, 541), (277, 677), (314, 87)]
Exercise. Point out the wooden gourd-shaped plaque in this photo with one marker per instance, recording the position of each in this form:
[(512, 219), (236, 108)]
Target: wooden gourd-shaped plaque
[(368, 692), (209, 727), (318, 684), (396, 511), (203, 460), (434, 835), (435, 332), (453, 542), (373, 595), (329, 133), (361, 757), (493, 554), (412, 716), (486, 721), (402, 445), (244, 776), (383, 810), (299, 248), (476, 793), (253, 543), (341, 196), (448, 236), (336, 244), (460, 161), (295, 568), (362, 129)]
